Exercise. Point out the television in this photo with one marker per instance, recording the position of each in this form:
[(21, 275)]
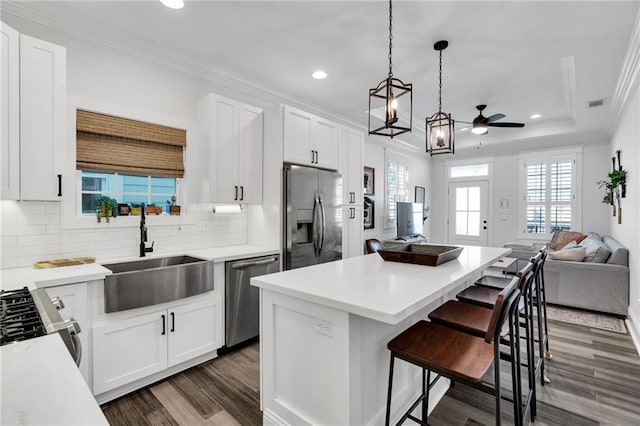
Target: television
[(409, 219)]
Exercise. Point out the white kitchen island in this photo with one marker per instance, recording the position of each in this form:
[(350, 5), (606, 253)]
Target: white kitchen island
[(324, 331)]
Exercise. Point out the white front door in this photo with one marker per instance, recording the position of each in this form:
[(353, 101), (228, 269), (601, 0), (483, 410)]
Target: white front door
[(468, 202)]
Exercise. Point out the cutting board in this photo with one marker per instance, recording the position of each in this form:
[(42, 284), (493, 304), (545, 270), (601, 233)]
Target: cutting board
[(43, 264)]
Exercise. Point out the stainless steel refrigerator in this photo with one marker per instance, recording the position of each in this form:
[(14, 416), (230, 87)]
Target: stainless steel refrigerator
[(313, 216)]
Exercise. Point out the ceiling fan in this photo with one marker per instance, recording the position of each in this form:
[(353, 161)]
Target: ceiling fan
[(481, 123)]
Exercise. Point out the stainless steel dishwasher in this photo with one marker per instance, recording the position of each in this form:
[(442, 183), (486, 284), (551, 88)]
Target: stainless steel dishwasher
[(242, 301)]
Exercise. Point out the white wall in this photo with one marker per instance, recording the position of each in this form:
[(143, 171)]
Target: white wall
[(504, 223), (625, 138), (419, 165)]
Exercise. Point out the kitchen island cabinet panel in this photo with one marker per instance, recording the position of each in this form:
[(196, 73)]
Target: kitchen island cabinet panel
[(345, 312)]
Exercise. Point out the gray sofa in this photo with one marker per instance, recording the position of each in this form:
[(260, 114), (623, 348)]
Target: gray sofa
[(602, 287)]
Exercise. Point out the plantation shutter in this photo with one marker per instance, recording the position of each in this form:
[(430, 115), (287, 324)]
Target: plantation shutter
[(105, 143)]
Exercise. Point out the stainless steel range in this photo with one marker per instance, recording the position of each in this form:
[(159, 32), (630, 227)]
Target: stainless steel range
[(28, 314)]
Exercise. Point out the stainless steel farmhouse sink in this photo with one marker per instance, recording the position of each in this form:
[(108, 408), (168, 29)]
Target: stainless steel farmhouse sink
[(157, 280)]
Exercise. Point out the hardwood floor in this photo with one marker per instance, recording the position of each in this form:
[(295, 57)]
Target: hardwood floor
[(595, 380)]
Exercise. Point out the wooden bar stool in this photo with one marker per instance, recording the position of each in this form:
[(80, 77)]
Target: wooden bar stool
[(456, 355), (484, 294), (373, 245), (473, 318)]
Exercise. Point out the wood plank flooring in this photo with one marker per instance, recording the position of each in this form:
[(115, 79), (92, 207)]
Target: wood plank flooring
[(595, 380)]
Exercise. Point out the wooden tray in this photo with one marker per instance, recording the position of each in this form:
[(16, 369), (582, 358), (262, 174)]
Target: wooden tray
[(44, 264), (421, 254)]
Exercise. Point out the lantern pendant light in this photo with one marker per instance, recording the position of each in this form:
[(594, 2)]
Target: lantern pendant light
[(440, 126), (389, 96)]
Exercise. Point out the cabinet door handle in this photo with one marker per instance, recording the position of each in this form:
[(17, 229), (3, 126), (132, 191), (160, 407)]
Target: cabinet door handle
[(235, 196), (59, 185), (241, 193), (316, 157), (313, 156), (173, 322), (164, 325)]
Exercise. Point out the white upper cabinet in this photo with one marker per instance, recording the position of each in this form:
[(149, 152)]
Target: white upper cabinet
[(43, 92), (10, 114), (233, 132), (34, 90), (351, 166), (352, 170), (310, 140)]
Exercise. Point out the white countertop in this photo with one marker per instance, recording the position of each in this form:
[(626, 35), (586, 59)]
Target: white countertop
[(41, 385), (381, 290), (11, 279), (222, 254), (19, 277)]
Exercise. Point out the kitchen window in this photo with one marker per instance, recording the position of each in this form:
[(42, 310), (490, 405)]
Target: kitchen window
[(397, 184), (126, 189), (549, 194), (129, 160)]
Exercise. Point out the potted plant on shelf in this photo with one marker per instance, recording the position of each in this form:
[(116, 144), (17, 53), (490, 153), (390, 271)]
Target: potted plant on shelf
[(151, 208), (136, 209), (106, 207), (172, 207)]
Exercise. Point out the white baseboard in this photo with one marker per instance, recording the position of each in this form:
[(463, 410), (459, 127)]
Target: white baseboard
[(633, 325)]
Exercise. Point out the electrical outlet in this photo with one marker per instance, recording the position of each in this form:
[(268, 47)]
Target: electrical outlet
[(324, 327)]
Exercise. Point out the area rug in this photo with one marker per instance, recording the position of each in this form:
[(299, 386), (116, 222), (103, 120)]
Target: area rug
[(588, 319)]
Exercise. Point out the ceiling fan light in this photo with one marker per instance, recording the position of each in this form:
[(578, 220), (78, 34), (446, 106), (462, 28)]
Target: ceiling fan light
[(479, 129), (173, 4)]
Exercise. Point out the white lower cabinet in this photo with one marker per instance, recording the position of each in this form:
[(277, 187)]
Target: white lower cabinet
[(133, 348), (194, 330)]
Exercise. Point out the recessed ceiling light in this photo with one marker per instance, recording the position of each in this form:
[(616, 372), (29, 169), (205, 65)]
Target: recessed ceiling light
[(319, 75), (535, 116), (173, 4)]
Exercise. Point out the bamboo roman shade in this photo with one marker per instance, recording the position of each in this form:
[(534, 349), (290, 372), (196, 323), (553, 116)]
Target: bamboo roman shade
[(105, 143)]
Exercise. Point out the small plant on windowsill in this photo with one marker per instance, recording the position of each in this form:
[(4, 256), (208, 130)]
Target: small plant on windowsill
[(172, 207), (151, 208), (106, 207), (136, 209)]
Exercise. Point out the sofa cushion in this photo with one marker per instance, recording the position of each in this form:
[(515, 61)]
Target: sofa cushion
[(575, 254), (594, 235), (596, 250), (619, 253), (562, 238)]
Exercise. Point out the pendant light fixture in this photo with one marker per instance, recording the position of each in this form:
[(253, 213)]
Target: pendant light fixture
[(440, 126), (386, 97)]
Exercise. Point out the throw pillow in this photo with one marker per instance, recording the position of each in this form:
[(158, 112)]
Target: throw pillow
[(596, 250), (574, 254), (565, 237)]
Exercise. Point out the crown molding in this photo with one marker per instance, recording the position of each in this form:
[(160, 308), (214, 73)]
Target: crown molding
[(166, 59), (628, 76)]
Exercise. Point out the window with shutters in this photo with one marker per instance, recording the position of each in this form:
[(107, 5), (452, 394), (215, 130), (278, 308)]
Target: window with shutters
[(128, 160), (549, 195), (397, 185)]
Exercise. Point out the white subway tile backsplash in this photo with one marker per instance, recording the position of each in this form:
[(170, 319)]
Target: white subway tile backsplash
[(25, 229), (38, 219), (31, 232), (31, 208), (52, 208), (8, 242)]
